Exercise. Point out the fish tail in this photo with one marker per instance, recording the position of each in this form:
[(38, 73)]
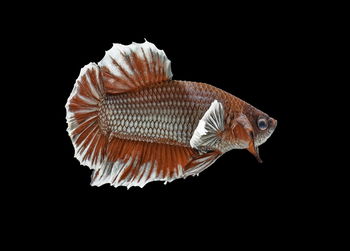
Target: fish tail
[(82, 117)]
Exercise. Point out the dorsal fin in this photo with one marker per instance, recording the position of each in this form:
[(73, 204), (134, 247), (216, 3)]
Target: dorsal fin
[(128, 67), (208, 129)]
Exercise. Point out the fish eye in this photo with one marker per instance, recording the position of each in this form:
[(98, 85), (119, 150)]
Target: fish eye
[(262, 123)]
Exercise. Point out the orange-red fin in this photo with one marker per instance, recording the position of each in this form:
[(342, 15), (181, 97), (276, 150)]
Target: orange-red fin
[(82, 117), (128, 67), (135, 163)]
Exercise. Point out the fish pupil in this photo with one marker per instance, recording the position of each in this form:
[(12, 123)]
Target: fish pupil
[(262, 124)]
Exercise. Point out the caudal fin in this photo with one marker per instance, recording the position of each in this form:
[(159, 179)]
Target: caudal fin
[(82, 117)]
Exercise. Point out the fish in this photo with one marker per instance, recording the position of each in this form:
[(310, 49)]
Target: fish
[(132, 124)]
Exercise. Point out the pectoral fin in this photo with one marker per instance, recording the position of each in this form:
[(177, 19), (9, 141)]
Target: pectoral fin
[(208, 128)]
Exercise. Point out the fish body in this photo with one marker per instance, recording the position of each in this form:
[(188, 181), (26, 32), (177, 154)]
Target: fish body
[(167, 112), (131, 123)]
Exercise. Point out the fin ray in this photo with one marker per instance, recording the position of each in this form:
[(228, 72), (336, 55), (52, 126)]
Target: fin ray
[(135, 163), (82, 117)]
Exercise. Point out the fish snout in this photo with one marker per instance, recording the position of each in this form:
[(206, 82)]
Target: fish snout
[(273, 122)]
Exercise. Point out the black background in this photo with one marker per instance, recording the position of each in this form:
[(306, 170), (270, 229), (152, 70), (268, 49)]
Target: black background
[(257, 65), (263, 57)]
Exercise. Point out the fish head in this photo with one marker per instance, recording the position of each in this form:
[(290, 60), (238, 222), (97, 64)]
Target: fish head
[(262, 124), (251, 128)]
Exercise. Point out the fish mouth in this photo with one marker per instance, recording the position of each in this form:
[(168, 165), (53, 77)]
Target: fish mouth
[(273, 123)]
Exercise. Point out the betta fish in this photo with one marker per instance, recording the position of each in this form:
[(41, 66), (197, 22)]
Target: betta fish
[(132, 124)]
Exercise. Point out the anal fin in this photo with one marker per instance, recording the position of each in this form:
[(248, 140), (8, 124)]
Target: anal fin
[(135, 163)]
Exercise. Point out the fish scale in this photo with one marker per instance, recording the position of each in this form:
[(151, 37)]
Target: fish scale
[(167, 112)]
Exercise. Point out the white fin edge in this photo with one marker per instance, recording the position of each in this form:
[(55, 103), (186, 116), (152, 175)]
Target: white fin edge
[(212, 122)]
